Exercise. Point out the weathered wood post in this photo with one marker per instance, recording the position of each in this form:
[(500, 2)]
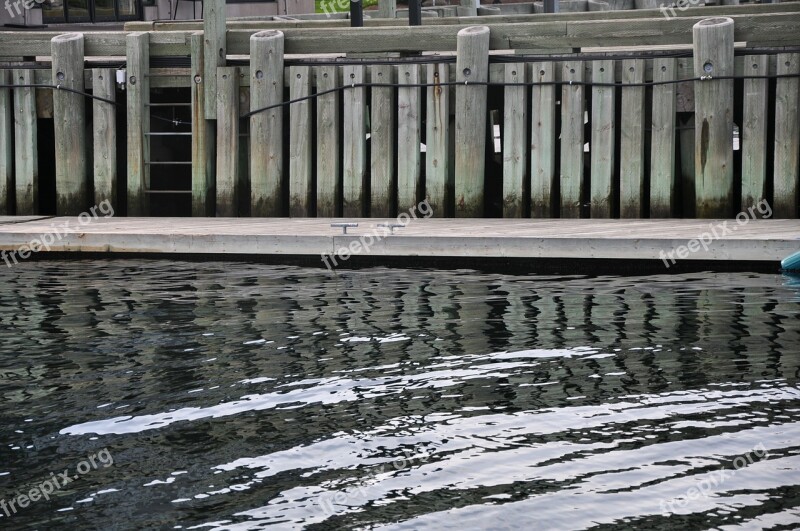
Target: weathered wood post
[(137, 97), (543, 139), (104, 125), (754, 131), (468, 8), (266, 127), (603, 182), (515, 145), (713, 57), (787, 137), (301, 185), (329, 178), (6, 146), (203, 138), (409, 178), (663, 179), (227, 141), (214, 50), (26, 153), (69, 121), (383, 192), (472, 70), (572, 155), (632, 163), (438, 185), (354, 143)]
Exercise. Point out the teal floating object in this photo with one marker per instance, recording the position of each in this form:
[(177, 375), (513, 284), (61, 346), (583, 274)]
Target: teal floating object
[(791, 262)]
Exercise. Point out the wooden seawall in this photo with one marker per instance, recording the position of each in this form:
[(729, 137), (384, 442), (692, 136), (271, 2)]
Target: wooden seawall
[(493, 116)]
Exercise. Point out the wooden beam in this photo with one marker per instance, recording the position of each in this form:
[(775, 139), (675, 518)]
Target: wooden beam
[(301, 183), (472, 65), (329, 167), (787, 137), (26, 153), (266, 127), (203, 137), (409, 115), (228, 141), (137, 97), (602, 144), (543, 139), (382, 135), (104, 126), (515, 143), (713, 128), (572, 113), (632, 163), (438, 183), (354, 143), (6, 146), (214, 50), (753, 137), (663, 199), (69, 121)]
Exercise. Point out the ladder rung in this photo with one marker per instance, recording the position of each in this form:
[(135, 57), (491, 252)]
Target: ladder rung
[(183, 104), (167, 133), (168, 191), (169, 163)]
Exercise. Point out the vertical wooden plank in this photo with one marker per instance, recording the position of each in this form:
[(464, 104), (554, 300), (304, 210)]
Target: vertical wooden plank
[(543, 139), (266, 127), (329, 178), (571, 140), (515, 143), (6, 146), (301, 185), (754, 131), (137, 97), (713, 126), (105, 136), (787, 137), (214, 50), (354, 143), (69, 124), (602, 145), (631, 186), (409, 177), (662, 147), (227, 141), (203, 143), (382, 143), (439, 187), (472, 66), (26, 155)]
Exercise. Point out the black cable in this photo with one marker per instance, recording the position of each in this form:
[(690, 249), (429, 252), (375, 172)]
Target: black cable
[(513, 84), (65, 89)]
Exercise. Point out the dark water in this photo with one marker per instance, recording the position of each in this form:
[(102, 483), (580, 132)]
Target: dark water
[(238, 396)]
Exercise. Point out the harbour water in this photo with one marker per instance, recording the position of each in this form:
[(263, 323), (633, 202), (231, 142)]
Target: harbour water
[(244, 396)]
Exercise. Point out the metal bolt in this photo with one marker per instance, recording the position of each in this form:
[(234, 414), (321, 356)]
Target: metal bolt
[(344, 226)]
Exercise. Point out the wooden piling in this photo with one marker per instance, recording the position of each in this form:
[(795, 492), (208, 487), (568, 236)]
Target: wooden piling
[(214, 50), (329, 168), (203, 138), (632, 163), (572, 115), (713, 56), (227, 141), (409, 176), (301, 184), (69, 123), (438, 184), (787, 137), (6, 146), (472, 66), (354, 143), (26, 154), (387, 8), (382, 143), (515, 143), (266, 127), (601, 146), (104, 126), (543, 139), (137, 97), (753, 137), (663, 200)]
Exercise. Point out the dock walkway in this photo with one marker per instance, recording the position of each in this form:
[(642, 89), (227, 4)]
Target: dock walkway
[(757, 240)]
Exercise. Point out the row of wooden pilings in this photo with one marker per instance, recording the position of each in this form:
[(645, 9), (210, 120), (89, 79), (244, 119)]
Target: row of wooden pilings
[(217, 184)]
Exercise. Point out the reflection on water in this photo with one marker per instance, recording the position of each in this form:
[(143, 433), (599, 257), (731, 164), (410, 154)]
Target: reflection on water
[(239, 396)]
